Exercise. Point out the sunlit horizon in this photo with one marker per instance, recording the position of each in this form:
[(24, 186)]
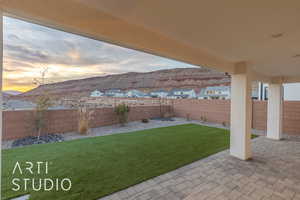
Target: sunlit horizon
[(29, 48)]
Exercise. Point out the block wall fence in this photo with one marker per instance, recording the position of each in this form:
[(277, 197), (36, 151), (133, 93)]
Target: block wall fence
[(218, 111), (18, 124)]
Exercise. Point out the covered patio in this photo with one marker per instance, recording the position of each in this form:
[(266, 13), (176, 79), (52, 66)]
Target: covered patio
[(273, 174), (251, 40)]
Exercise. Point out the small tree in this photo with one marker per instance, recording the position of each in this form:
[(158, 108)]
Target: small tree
[(42, 105), (122, 111), (43, 102)]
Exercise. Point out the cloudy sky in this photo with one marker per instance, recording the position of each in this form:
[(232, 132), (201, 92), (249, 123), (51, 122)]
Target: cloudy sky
[(30, 48)]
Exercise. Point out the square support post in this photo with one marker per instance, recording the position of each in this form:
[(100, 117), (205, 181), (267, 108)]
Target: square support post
[(275, 111), (1, 69), (241, 116)]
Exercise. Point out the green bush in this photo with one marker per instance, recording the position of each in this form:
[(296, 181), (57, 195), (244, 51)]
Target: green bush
[(122, 111), (145, 120)]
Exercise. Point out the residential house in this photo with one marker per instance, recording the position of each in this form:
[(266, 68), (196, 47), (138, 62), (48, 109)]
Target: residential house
[(215, 92), (159, 93), (262, 92), (182, 94), (136, 94), (97, 93), (291, 91), (202, 94), (115, 93)]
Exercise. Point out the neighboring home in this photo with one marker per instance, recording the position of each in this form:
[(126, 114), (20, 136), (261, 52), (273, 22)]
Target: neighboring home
[(182, 94), (159, 93), (97, 93), (202, 94), (291, 91), (262, 92), (215, 92), (136, 94), (13, 104), (114, 93)]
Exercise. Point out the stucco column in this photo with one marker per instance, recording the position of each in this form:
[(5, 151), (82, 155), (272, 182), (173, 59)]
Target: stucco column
[(1, 69), (241, 116), (275, 107)]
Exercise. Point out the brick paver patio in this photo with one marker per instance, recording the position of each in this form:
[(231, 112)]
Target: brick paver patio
[(273, 173)]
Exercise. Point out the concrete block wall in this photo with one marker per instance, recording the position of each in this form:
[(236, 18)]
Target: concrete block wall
[(18, 124), (218, 111), (291, 117), (259, 115)]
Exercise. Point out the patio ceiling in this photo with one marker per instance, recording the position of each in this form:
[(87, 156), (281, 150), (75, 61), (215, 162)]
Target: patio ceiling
[(212, 33)]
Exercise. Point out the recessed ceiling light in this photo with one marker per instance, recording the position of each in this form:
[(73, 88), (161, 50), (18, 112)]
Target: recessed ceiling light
[(277, 35)]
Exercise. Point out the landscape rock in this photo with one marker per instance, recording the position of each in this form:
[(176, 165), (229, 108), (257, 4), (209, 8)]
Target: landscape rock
[(50, 138)]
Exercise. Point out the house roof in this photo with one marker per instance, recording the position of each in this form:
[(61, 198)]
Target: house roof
[(218, 88), (217, 95), (202, 92)]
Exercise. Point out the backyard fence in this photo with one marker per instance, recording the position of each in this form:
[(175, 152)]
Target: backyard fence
[(18, 124), (218, 111)]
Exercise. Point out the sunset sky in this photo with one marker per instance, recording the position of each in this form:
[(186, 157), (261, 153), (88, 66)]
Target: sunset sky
[(29, 48)]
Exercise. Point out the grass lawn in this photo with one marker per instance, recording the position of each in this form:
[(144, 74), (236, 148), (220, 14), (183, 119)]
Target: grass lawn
[(102, 165)]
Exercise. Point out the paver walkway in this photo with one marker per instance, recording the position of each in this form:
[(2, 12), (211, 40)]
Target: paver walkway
[(273, 173)]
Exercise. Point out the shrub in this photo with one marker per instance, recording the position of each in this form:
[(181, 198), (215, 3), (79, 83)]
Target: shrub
[(224, 124), (122, 111), (145, 120), (188, 117), (203, 119), (85, 115)]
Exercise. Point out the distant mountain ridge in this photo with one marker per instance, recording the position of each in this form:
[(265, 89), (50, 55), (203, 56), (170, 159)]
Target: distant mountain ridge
[(7, 94), (193, 78), (12, 92)]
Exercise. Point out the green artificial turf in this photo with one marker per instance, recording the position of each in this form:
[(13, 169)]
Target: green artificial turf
[(102, 165)]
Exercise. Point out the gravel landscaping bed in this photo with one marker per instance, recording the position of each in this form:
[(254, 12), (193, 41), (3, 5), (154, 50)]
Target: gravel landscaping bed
[(35, 140)]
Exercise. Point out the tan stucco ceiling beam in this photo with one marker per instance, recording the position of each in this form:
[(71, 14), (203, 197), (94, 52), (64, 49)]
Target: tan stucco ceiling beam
[(285, 79), (246, 67)]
